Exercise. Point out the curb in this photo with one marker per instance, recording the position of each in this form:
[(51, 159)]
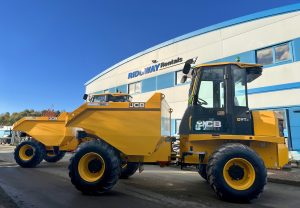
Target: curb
[(282, 181)]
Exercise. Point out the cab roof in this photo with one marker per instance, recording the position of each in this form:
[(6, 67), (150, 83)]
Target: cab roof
[(113, 94), (240, 64)]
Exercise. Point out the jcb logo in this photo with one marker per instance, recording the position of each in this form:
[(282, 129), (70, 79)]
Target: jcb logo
[(207, 125), (136, 105)]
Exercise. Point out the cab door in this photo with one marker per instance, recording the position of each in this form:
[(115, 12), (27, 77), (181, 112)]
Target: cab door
[(241, 123), (208, 115)]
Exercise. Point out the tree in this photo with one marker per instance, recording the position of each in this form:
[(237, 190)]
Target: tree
[(7, 119)]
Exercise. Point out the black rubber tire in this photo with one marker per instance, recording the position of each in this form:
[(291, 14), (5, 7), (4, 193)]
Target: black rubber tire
[(216, 179), (111, 173), (38, 154), (129, 170), (202, 171), (54, 158)]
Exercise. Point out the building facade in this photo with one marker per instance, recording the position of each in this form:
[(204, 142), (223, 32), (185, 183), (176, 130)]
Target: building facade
[(270, 38)]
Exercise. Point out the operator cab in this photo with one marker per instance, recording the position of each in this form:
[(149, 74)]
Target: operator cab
[(218, 101), (108, 97)]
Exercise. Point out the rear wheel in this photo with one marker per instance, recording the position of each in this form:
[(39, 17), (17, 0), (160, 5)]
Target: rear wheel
[(128, 169), (236, 173), (202, 171), (95, 167), (53, 157), (29, 154)]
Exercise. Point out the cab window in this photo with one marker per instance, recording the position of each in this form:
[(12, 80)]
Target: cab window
[(211, 90), (99, 98), (240, 94)]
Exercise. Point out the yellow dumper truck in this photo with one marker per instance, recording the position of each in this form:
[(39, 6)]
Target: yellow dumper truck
[(231, 145), (51, 139)]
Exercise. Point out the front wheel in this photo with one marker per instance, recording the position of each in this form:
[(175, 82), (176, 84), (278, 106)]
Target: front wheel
[(29, 154), (95, 167), (236, 173)]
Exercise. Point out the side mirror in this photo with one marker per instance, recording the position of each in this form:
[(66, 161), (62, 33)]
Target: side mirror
[(85, 96), (187, 67), (183, 79)]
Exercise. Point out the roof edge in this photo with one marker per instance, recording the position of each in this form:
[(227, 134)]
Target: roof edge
[(228, 23)]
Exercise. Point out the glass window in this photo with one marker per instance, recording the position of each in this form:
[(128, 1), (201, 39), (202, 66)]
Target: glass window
[(177, 124), (206, 93), (134, 88), (179, 75), (211, 91), (239, 77), (265, 56), (106, 91), (131, 88), (138, 87), (282, 53), (273, 54), (99, 98)]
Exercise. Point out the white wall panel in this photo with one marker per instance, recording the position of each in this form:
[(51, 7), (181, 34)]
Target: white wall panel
[(282, 74), (270, 34), (275, 99)]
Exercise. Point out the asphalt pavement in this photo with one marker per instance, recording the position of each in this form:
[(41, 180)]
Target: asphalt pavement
[(48, 185)]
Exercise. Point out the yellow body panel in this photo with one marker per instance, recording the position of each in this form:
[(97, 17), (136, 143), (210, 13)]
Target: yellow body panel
[(49, 131), (135, 131), (161, 154), (273, 154), (266, 141), (283, 154), (197, 137), (265, 123)]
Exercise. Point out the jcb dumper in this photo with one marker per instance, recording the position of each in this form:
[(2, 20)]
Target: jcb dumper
[(50, 138), (231, 145)]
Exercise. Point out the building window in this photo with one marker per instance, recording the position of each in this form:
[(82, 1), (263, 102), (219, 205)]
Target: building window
[(282, 53), (134, 88), (106, 91), (177, 124), (264, 56), (179, 75), (274, 54)]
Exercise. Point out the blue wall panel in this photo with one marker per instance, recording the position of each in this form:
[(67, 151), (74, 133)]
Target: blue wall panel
[(122, 88), (165, 80), (112, 90), (294, 115), (296, 49), (99, 92), (149, 84), (294, 85)]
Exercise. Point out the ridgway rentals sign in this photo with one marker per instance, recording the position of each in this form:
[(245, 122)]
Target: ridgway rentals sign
[(154, 68)]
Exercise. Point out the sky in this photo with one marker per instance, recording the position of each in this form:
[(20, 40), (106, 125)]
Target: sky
[(50, 48)]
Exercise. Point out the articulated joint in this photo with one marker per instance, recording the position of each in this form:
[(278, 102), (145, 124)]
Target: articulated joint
[(81, 135), (184, 154)]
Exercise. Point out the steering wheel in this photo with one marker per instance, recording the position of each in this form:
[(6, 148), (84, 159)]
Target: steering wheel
[(202, 102)]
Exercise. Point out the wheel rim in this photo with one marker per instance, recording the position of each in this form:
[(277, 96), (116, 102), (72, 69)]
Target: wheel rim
[(239, 174), (91, 167), (26, 152)]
